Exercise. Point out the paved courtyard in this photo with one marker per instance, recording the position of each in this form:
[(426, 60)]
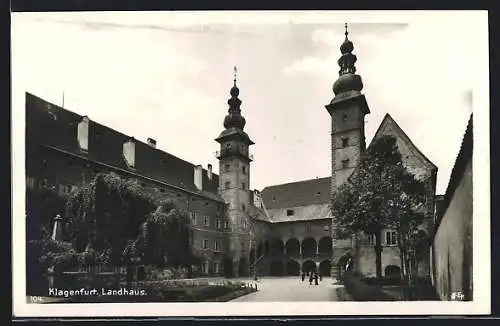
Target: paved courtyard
[(293, 289)]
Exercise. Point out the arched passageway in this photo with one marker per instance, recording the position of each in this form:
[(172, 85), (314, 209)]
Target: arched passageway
[(277, 247), (227, 265), (243, 267), (324, 268), (277, 268), (292, 268), (392, 271), (308, 247), (293, 248), (251, 256), (325, 246), (260, 250), (309, 266)]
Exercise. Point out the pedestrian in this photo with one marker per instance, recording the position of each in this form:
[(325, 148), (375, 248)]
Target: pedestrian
[(311, 279), (320, 277), (303, 276), (315, 278)]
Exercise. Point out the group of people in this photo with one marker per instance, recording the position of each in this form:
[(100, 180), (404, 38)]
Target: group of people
[(313, 276)]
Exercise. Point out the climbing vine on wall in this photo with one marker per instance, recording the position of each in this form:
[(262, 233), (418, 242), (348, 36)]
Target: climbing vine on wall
[(117, 219)]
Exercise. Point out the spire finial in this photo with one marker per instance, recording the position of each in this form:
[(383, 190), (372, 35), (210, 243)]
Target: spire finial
[(235, 70), (346, 32)]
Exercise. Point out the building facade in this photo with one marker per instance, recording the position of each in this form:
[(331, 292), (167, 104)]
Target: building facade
[(282, 230)]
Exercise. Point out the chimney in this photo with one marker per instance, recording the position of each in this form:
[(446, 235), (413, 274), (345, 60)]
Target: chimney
[(129, 152), (57, 230), (209, 171), (83, 134), (152, 142), (198, 177)]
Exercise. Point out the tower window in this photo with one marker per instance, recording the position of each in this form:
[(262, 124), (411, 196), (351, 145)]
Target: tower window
[(226, 225), (344, 117), (205, 244), (193, 218), (206, 221), (227, 167), (243, 186), (289, 212), (217, 245), (243, 207), (274, 198), (391, 238), (227, 184), (345, 163), (244, 169), (345, 142)]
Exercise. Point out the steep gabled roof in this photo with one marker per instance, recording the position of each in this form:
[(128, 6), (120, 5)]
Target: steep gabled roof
[(51, 125), (389, 122), (295, 194)]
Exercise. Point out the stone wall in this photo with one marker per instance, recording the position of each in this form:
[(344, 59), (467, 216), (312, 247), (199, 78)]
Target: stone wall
[(452, 247)]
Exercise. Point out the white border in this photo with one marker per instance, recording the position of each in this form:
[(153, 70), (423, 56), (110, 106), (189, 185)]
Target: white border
[(481, 191)]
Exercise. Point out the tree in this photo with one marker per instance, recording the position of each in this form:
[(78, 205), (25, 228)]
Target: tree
[(122, 222), (380, 194)]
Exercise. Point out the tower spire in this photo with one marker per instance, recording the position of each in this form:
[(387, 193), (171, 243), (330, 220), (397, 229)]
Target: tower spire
[(348, 80), (234, 119)]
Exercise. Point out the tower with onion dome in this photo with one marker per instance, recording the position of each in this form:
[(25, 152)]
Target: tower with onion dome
[(234, 180), (347, 110)]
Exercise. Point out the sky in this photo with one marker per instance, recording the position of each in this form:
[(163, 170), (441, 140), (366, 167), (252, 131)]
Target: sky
[(167, 76)]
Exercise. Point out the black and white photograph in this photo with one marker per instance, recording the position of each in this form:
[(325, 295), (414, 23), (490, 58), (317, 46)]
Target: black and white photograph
[(260, 163)]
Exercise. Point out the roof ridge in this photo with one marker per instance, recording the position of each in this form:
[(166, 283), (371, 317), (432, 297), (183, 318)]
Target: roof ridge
[(295, 182), (112, 129)]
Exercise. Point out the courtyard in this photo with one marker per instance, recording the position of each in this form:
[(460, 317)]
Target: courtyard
[(294, 289)]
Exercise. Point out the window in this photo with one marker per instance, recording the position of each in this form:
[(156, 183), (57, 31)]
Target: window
[(243, 186), (205, 244), (391, 238), (308, 227), (204, 268), (193, 218), (216, 268), (227, 184), (226, 225), (217, 224), (30, 182), (243, 207), (244, 169), (206, 220), (326, 228), (162, 190), (345, 142), (345, 163), (289, 212), (370, 240), (227, 167), (244, 225), (344, 117), (274, 198), (217, 245)]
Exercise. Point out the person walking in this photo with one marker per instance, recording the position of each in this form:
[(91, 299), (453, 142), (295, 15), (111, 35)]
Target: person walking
[(311, 279), (303, 276), (316, 278)]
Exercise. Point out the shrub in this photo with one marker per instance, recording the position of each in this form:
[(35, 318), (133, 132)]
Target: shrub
[(360, 291)]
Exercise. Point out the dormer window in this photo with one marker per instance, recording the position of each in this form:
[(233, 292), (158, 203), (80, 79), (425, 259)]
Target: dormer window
[(345, 163), (289, 212), (345, 142), (274, 198)]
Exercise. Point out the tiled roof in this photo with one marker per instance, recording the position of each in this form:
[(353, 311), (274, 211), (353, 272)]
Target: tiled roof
[(51, 125), (463, 158), (300, 213), (301, 193)]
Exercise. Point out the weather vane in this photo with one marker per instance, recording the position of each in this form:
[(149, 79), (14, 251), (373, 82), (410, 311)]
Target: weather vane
[(235, 69), (346, 32)]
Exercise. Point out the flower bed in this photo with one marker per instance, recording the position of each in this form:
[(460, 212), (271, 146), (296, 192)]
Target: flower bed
[(166, 291)]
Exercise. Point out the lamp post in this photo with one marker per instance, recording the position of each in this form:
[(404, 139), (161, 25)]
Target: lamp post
[(252, 245)]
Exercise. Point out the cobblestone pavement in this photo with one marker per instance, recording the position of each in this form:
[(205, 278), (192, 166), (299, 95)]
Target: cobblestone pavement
[(293, 289)]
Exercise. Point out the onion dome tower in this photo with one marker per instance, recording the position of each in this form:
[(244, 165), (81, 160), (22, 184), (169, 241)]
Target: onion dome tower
[(347, 110), (234, 181)]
